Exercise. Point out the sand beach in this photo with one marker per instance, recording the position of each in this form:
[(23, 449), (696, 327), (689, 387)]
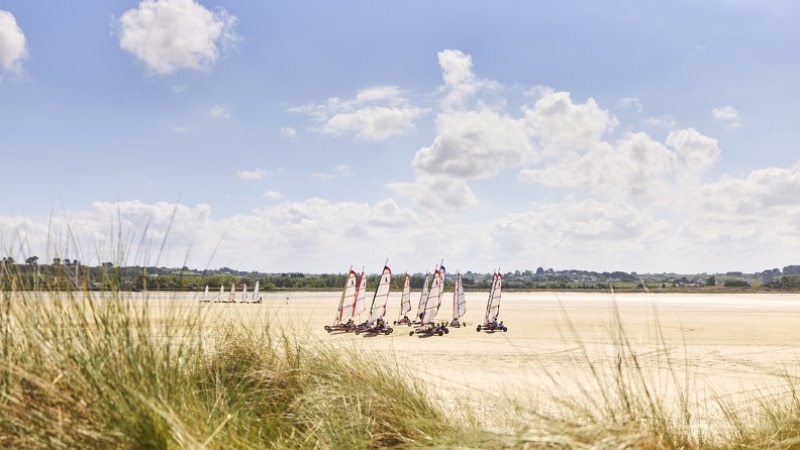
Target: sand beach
[(704, 348)]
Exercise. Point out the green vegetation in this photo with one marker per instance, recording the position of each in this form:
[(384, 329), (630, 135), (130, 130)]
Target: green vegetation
[(70, 274)]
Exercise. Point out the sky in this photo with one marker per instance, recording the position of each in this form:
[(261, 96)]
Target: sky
[(305, 136)]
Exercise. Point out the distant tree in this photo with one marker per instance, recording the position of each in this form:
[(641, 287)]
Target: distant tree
[(712, 281), (736, 283), (32, 260), (56, 261), (791, 270)]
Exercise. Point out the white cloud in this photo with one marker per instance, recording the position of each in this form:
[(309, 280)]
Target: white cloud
[(273, 195), (611, 234), (634, 168), (560, 125), (696, 151), (13, 48), (728, 219), (288, 132), (374, 114), (343, 170), (340, 171), (440, 192), (482, 142), (256, 174), (219, 112), (169, 35), (460, 83), (474, 144), (753, 219), (665, 121), (728, 116), (630, 103)]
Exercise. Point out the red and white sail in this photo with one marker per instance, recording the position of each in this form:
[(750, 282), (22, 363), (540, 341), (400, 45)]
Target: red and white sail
[(345, 310), (360, 304), (381, 297), (493, 305), (423, 298), (405, 297), (434, 301), (459, 299)]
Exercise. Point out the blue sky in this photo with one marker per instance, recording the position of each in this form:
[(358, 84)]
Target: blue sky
[(311, 136)]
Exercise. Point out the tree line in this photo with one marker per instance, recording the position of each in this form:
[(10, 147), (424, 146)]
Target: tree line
[(71, 275)]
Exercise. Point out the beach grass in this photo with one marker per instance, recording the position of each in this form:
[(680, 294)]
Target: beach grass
[(89, 369), (94, 370)]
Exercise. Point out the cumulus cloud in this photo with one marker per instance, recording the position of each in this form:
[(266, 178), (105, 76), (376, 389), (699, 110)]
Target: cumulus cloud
[(303, 236), (563, 126), (442, 192), (318, 230), (273, 195), (340, 171), (753, 216), (374, 114), (288, 132), (128, 232), (554, 141), (478, 139), (630, 103), (728, 116), (665, 121), (635, 167), (461, 85), (255, 174), (474, 144), (13, 48), (219, 112), (169, 35), (559, 233)]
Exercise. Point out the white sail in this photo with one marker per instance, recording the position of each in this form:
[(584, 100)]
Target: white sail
[(381, 297), (423, 298), (346, 302), (493, 305), (244, 292), (361, 295), (232, 297), (205, 295), (434, 296), (256, 296), (405, 297), (221, 292), (459, 299)]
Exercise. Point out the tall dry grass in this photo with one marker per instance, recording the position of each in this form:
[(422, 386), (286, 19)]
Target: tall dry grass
[(94, 370)]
